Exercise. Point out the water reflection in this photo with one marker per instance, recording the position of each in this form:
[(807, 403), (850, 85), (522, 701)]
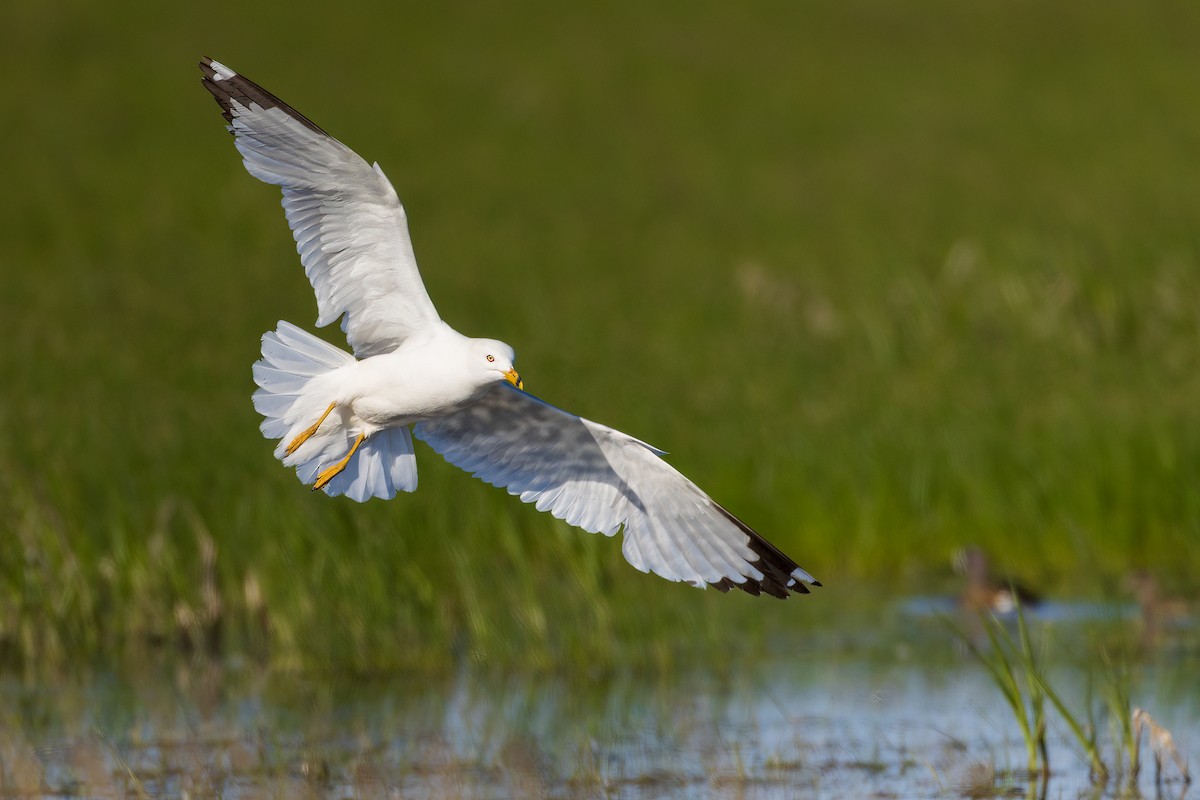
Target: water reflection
[(811, 721)]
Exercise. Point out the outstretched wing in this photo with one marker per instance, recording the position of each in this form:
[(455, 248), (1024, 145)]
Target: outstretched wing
[(350, 228), (599, 479)]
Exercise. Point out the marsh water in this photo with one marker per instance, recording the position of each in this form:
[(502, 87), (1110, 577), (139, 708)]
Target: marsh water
[(835, 713)]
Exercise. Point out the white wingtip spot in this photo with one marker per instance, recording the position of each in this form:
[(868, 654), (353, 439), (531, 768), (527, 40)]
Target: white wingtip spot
[(801, 575), (222, 72)]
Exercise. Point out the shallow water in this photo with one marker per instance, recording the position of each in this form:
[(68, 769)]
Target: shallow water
[(828, 716)]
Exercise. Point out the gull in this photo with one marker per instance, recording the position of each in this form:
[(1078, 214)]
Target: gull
[(345, 422)]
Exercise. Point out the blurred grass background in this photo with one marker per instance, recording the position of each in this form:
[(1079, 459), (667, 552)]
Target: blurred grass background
[(886, 281)]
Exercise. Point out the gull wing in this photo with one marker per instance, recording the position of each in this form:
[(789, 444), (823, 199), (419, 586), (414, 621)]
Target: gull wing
[(350, 228), (600, 479)]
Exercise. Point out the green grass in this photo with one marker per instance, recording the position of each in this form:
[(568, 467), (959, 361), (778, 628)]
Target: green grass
[(1018, 669), (884, 282)]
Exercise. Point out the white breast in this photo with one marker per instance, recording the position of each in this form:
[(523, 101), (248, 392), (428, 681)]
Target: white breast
[(421, 380)]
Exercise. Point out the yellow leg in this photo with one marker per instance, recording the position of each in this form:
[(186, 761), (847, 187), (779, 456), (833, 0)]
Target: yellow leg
[(309, 431), (330, 473)]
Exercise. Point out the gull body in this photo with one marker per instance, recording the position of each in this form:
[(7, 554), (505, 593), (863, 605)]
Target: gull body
[(429, 375), (345, 421)]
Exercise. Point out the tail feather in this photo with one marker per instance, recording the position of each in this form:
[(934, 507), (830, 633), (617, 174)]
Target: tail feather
[(280, 381), (289, 344), (383, 465), (296, 385)]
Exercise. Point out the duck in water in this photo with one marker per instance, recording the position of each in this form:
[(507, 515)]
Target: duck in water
[(983, 592)]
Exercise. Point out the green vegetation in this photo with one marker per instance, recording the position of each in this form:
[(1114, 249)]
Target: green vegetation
[(1011, 667), (1019, 670), (886, 281)]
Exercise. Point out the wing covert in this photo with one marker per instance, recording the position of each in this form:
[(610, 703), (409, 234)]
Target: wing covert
[(350, 228)]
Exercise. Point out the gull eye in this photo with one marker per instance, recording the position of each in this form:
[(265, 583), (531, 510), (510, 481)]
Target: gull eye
[(491, 358)]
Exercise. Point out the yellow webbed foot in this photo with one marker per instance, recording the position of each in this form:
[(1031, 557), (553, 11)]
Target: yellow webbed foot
[(329, 473), (309, 431)]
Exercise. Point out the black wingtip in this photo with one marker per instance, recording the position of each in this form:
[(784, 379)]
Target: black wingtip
[(235, 88), (777, 568)]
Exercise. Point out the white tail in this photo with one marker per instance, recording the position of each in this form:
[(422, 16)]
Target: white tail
[(296, 384)]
